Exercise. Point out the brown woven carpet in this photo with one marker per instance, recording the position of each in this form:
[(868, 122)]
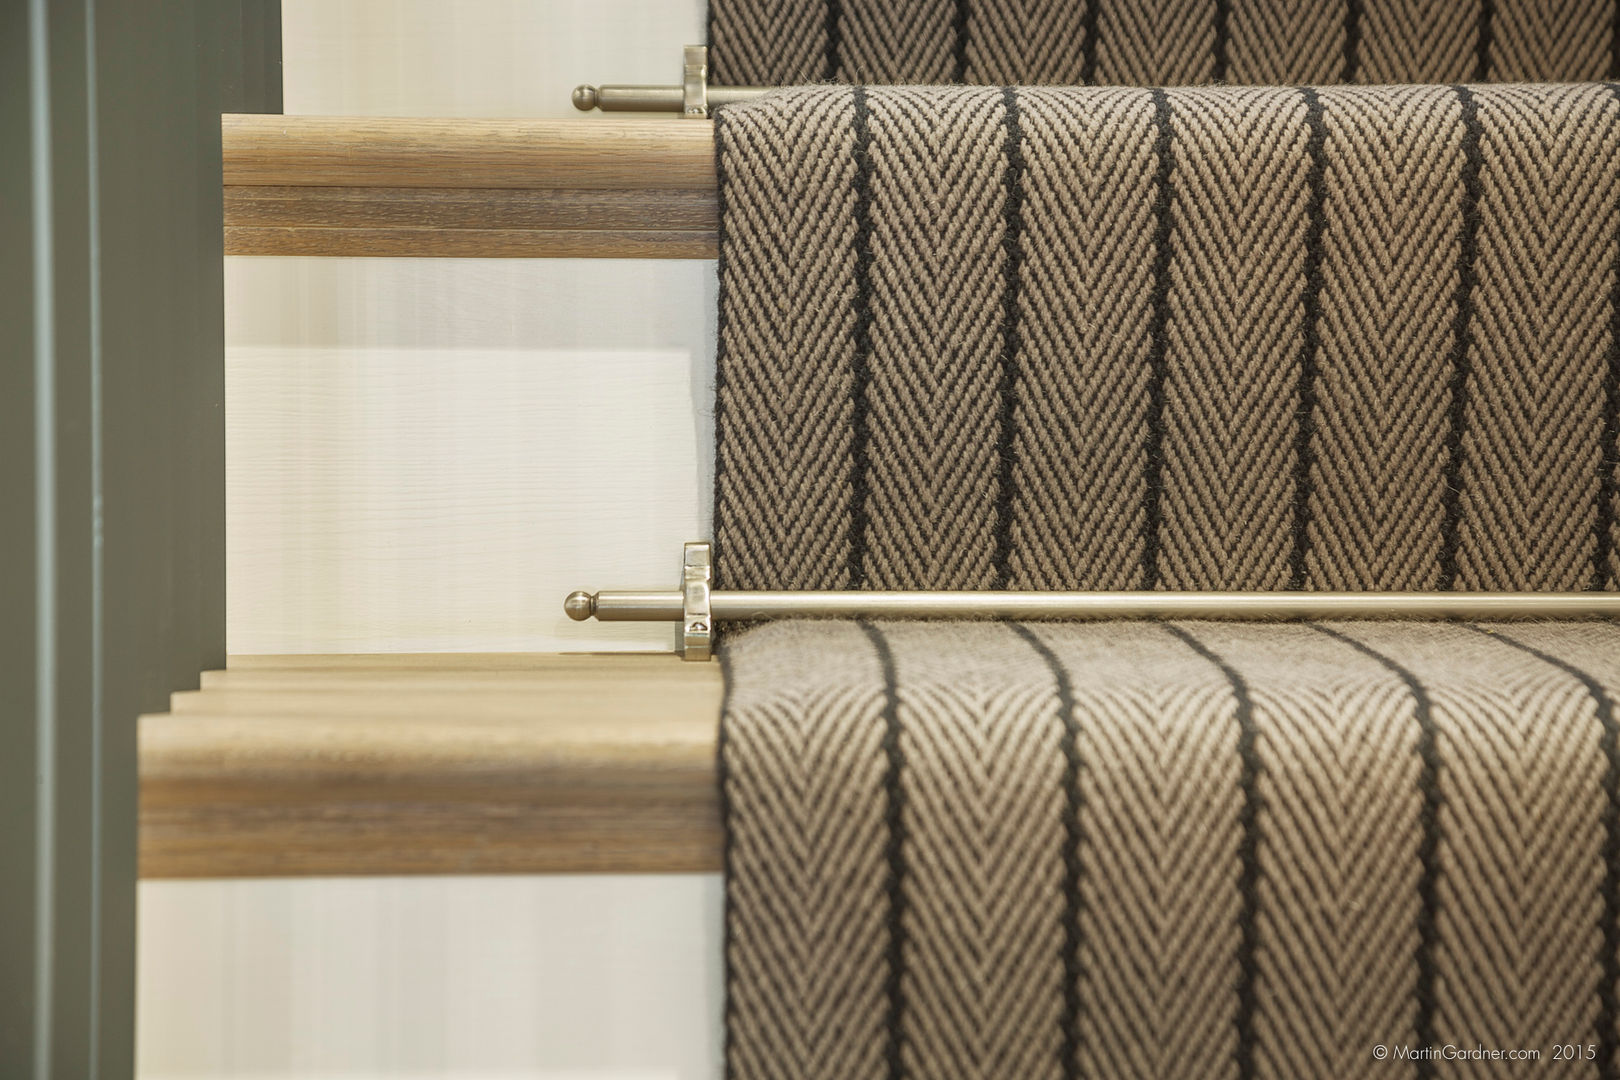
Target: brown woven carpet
[(1247, 338), (1160, 42), (1265, 338), (1149, 850)]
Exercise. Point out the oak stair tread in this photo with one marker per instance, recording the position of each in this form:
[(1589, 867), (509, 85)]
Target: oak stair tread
[(437, 763)]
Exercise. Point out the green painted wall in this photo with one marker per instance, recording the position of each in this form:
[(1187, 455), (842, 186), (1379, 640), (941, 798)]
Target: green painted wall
[(112, 552)]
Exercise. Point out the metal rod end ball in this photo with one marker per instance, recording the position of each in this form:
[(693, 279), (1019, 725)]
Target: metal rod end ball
[(584, 98), (580, 605)]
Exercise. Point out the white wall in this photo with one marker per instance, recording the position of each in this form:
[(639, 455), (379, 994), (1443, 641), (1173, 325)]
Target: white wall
[(472, 978), (475, 57), (427, 455)]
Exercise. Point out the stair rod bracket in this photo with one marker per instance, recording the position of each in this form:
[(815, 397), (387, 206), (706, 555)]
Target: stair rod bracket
[(697, 617), (692, 99), (698, 607)]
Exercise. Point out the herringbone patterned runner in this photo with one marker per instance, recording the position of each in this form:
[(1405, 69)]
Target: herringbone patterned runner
[(1208, 338), (1392, 224), (1160, 42), (1250, 337), (1148, 850), (1214, 337)]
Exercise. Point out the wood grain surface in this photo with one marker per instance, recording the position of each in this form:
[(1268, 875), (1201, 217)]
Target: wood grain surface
[(562, 188), (441, 763), (454, 243)]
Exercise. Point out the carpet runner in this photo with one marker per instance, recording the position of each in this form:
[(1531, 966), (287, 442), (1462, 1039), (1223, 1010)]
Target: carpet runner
[(1200, 338)]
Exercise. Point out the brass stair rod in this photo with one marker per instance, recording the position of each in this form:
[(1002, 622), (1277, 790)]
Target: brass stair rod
[(693, 98), (729, 606), (698, 606), (669, 99)]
